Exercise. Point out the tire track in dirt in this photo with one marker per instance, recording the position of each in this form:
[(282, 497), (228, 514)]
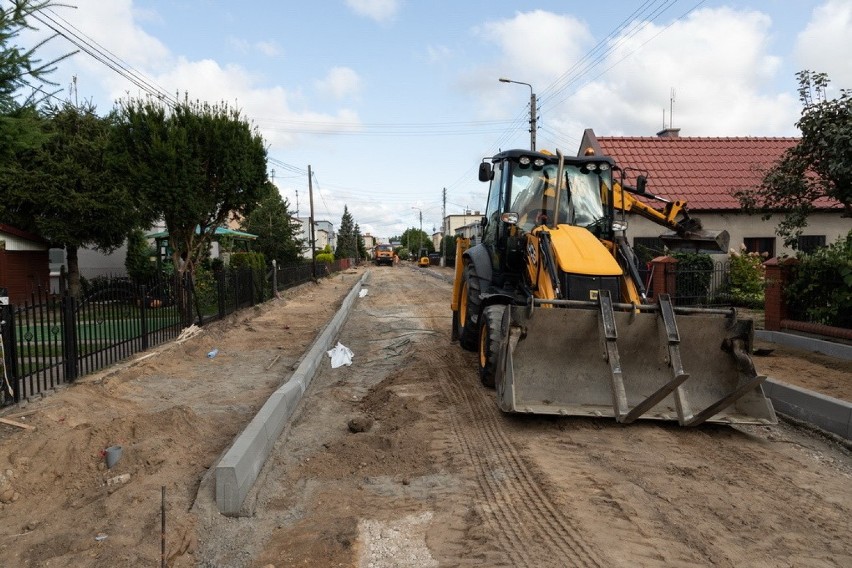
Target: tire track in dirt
[(536, 533), (663, 507), (782, 490)]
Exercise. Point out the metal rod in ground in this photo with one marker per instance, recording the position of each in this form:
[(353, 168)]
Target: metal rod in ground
[(163, 529)]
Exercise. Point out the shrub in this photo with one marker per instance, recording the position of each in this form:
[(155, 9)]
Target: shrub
[(692, 279), (821, 288), (255, 261), (206, 290), (746, 278), (138, 260)]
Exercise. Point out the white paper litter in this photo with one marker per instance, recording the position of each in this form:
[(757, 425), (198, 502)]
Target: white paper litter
[(340, 355), (362, 293)]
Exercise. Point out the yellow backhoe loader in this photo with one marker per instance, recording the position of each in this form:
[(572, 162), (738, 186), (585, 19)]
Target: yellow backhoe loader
[(552, 301)]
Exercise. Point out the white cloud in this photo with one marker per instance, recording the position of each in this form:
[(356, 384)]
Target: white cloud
[(267, 48), (379, 10), (282, 114), (339, 83), (722, 87), (537, 44), (437, 53), (825, 44)]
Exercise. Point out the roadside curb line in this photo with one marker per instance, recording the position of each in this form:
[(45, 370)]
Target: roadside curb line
[(838, 350), (831, 414), (828, 413), (239, 468)]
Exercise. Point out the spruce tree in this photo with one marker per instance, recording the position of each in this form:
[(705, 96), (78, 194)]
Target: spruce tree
[(347, 246)]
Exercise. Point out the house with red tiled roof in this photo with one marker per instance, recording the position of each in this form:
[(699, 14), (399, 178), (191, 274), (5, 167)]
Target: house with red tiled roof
[(706, 173)]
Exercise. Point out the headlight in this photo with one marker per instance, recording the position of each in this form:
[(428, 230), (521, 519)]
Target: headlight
[(619, 225), (539, 162), (525, 161), (603, 167)]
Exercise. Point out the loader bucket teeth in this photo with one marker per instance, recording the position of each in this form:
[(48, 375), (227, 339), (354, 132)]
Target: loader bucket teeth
[(652, 362)]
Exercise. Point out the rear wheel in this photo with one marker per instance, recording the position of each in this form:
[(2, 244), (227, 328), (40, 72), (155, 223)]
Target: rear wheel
[(468, 314), (490, 338)]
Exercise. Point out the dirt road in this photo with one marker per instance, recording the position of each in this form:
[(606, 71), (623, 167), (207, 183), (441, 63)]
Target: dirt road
[(402, 459)]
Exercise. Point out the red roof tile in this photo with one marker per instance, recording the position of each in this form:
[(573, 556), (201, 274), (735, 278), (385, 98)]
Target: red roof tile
[(705, 172)]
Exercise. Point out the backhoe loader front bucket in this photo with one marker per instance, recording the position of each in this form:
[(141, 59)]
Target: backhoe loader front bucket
[(630, 362)]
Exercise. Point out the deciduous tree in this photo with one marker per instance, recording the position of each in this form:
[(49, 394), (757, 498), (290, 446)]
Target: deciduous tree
[(195, 166), (817, 168), (63, 189)]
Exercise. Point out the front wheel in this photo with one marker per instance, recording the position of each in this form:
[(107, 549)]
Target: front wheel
[(468, 313), (490, 339)]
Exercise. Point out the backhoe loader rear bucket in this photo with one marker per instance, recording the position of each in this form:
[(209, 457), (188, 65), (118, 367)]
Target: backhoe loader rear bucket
[(603, 360), (697, 241)]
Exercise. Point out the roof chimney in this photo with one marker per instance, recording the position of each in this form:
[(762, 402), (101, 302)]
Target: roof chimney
[(669, 133)]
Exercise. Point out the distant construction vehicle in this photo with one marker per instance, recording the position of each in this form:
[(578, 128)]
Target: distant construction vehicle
[(383, 254), (552, 301)]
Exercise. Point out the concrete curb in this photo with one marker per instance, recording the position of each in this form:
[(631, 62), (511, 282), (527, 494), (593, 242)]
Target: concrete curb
[(239, 468), (831, 414), (838, 350)]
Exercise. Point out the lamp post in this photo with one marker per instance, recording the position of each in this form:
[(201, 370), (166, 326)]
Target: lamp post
[(532, 109)]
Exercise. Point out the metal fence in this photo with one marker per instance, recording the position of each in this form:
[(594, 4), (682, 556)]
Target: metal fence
[(701, 287), (52, 339)]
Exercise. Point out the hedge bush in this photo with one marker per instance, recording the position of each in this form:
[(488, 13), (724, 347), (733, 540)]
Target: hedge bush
[(746, 279), (821, 288), (693, 275)]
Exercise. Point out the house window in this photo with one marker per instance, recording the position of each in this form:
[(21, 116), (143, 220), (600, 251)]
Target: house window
[(760, 245), (809, 243)]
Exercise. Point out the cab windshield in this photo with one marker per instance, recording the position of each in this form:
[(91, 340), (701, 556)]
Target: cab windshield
[(534, 196)]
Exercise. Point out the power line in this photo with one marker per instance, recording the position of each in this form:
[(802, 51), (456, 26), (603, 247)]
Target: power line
[(654, 15), (102, 55)]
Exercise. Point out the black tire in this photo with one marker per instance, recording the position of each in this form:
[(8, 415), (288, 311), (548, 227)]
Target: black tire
[(468, 314), (490, 339)]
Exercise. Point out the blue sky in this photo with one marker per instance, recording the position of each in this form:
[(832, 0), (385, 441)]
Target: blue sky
[(390, 101)]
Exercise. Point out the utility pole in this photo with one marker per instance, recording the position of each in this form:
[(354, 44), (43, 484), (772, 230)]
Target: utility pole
[(313, 239), (420, 234)]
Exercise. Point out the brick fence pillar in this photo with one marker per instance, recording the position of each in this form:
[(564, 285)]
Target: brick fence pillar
[(663, 276), (774, 307)]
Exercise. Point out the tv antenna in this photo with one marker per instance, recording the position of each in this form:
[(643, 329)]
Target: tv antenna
[(671, 109)]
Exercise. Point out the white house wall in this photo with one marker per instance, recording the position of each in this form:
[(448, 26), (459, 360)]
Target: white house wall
[(741, 226)]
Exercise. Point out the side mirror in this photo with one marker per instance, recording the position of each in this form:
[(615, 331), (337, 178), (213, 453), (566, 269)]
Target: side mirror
[(485, 172), (641, 182)]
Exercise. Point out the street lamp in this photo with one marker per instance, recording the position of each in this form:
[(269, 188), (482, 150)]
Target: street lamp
[(532, 109)]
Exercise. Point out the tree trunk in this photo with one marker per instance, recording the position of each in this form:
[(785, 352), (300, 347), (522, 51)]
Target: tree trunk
[(73, 271)]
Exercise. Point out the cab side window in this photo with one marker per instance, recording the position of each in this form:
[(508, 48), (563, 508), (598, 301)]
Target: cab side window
[(494, 207)]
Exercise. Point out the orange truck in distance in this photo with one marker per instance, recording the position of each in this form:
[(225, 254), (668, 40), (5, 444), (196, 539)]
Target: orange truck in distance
[(383, 254)]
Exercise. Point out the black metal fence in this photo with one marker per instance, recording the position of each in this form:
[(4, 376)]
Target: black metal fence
[(701, 286), (52, 339)]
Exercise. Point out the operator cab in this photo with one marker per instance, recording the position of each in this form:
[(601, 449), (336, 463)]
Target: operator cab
[(525, 194)]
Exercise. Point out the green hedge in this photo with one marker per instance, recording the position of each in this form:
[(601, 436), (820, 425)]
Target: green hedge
[(821, 288)]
